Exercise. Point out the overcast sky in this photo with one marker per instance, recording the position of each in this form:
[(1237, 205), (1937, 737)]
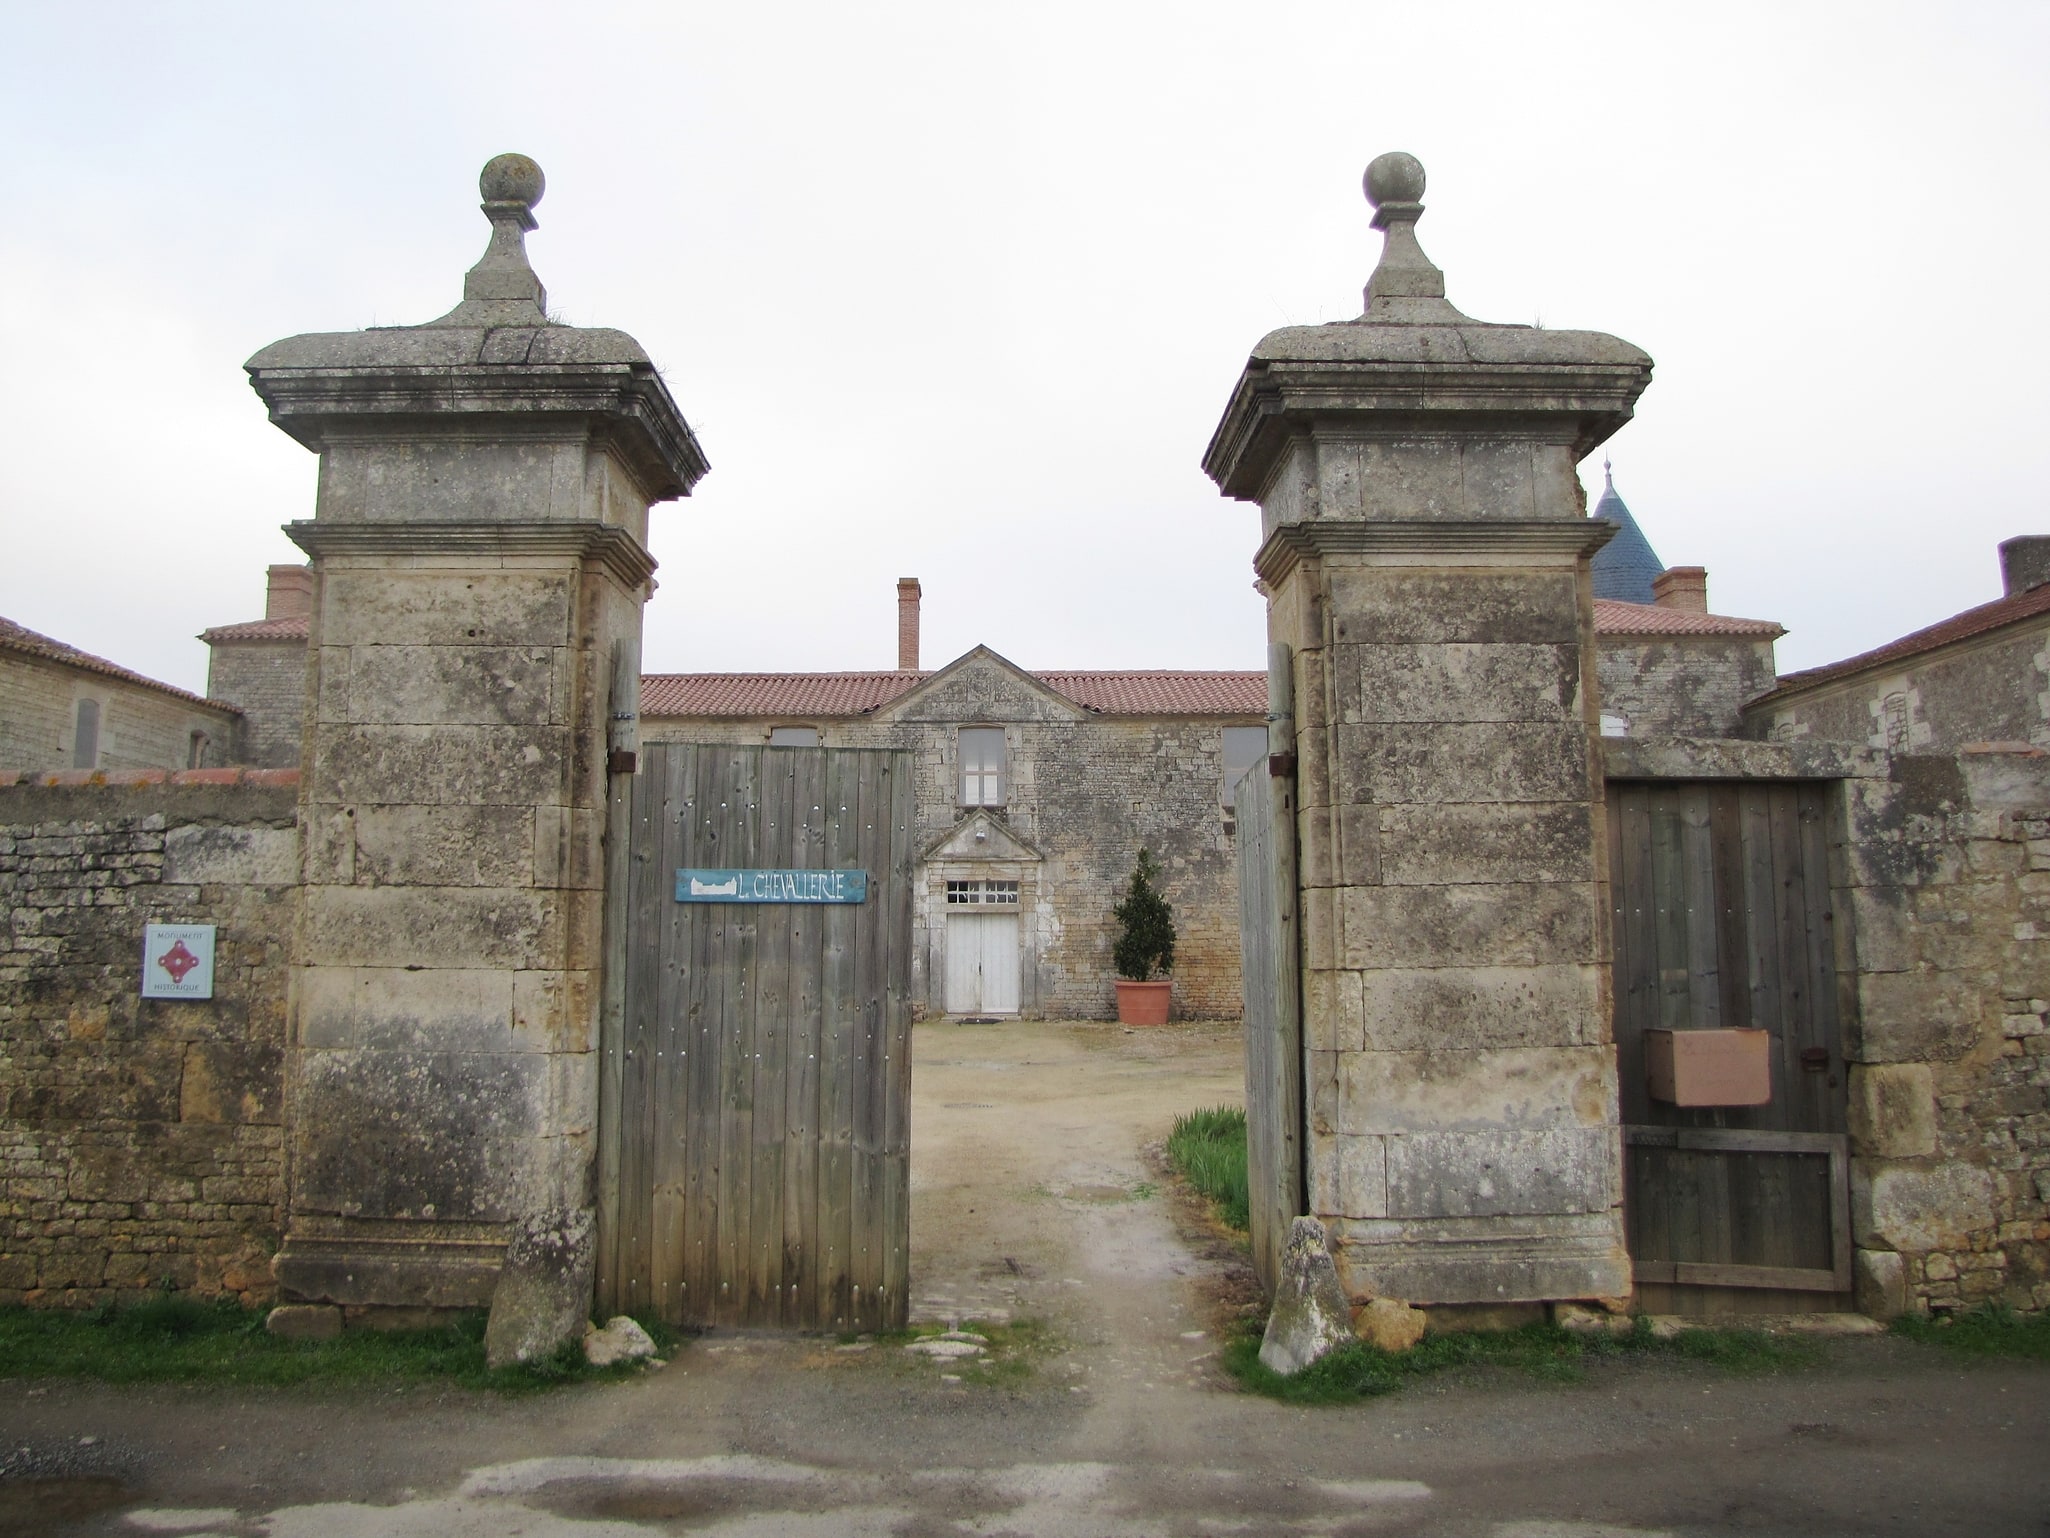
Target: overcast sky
[(959, 292)]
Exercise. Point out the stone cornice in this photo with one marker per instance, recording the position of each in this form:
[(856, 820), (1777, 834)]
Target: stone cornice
[(617, 551), (1579, 404), (626, 401), (1445, 543)]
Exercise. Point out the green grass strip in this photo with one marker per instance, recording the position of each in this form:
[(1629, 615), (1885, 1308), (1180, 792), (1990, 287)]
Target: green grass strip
[(1988, 1331), (180, 1339), (1208, 1149), (1542, 1351)]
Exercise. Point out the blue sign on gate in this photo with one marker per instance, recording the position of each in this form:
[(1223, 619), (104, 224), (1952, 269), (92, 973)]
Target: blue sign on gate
[(771, 886)]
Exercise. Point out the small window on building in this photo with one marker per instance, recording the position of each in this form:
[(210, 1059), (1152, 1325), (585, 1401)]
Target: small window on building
[(982, 894), (1614, 725), (793, 736), (85, 736), (982, 765), (195, 751), (1244, 746)]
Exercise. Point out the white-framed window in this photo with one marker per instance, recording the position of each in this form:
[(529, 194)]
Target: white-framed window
[(793, 736), (1244, 746), (982, 765), (982, 894), (85, 735)]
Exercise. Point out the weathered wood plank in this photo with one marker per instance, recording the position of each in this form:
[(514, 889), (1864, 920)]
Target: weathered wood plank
[(775, 924), (1704, 1274), (836, 1057), (801, 1081), (1698, 894), (668, 1166), (633, 1247), (868, 1070), (899, 843), (706, 1037)]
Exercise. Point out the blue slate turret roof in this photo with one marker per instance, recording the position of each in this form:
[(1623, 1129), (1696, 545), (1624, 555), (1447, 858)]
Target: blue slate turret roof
[(1624, 567)]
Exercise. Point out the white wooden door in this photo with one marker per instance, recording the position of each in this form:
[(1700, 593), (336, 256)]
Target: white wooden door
[(982, 963)]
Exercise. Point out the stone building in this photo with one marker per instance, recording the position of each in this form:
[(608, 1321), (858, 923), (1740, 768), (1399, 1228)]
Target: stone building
[(1528, 828), (1038, 788), (1982, 676), (261, 665), (62, 708)]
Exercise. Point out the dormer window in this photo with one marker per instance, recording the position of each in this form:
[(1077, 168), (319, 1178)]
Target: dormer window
[(982, 765)]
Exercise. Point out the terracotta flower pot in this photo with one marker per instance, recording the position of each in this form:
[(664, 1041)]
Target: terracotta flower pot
[(1142, 1003)]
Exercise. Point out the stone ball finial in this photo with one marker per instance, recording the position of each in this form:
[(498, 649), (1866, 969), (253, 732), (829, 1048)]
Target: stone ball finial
[(1395, 177), (512, 179)]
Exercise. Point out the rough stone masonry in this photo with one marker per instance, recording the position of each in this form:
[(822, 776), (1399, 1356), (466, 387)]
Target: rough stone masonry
[(480, 562), (1425, 555)]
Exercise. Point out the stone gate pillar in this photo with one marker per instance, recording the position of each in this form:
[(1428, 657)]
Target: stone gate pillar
[(479, 550), (1426, 558)]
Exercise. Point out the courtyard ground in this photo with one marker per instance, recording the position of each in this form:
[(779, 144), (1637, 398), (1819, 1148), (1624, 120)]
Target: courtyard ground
[(1035, 1200)]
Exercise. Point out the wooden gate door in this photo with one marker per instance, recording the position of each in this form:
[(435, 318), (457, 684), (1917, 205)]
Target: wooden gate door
[(1273, 1015), (1723, 918), (756, 1101)]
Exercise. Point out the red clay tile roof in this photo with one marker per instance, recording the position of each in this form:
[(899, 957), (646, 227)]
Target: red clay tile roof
[(770, 694), (801, 695), (31, 643), (1164, 693), (293, 627), (1959, 627), (1614, 617)]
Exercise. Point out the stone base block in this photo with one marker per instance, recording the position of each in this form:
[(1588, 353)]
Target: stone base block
[(390, 1269), (1491, 1261), (304, 1321)]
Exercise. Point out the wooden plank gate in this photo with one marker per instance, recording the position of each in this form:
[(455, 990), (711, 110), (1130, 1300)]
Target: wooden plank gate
[(1270, 961), (1723, 918), (755, 1091)]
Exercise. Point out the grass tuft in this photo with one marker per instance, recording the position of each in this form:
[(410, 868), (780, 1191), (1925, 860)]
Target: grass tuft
[(1208, 1149), (176, 1338), (1992, 1330), (1541, 1351)]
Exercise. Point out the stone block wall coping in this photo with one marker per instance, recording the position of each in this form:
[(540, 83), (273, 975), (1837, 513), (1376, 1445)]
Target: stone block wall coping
[(613, 548), (1730, 758), (1529, 539), (118, 779)]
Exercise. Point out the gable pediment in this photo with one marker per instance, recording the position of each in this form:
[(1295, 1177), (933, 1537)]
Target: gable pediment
[(981, 686), (980, 836)]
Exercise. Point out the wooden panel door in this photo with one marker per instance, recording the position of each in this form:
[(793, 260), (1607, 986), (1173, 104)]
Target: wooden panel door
[(1723, 919), (982, 963), (756, 1100)]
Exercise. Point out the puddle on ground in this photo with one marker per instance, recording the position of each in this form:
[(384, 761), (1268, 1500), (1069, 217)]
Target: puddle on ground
[(33, 1506)]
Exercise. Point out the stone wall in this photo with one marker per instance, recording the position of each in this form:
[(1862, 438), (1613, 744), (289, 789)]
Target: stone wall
[(1680, 686), (1949, 860), (140, 727), (141, 1140), (1991, 689), (267, 681), (1942, 865)]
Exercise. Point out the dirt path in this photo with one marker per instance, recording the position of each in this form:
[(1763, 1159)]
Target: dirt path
[(1031, 1196)]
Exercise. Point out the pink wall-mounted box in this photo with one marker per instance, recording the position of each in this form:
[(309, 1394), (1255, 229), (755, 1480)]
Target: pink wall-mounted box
[(1702, 1068)]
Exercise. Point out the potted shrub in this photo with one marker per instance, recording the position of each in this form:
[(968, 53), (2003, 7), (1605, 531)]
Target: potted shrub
[(1144, 946)]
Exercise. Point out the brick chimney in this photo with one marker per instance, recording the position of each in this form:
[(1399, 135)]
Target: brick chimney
[(908, 593), (1681, 587), (291, 593), (2024, 563)]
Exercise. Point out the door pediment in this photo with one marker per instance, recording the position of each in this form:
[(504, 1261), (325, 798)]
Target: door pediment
[(979, 836)]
